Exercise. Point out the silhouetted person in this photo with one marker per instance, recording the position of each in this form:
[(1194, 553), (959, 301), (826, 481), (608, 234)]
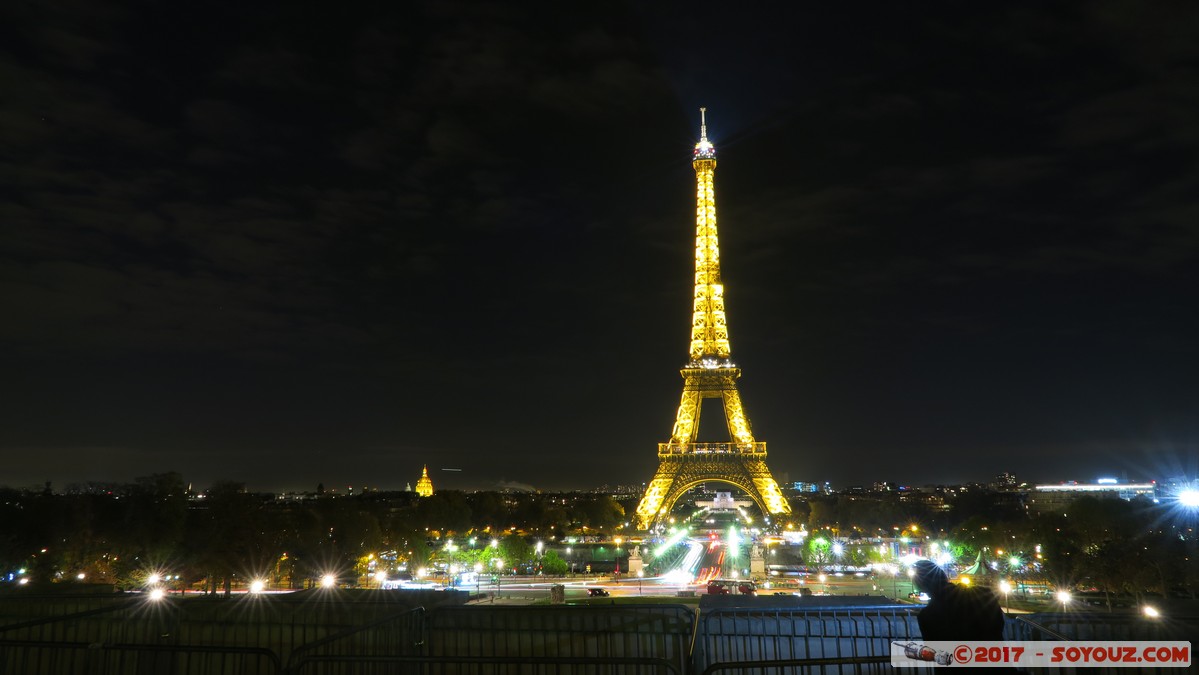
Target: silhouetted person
[(956, 612)]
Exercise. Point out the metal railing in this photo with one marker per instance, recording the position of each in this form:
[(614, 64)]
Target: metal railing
[(392, 637), (32, 657), (484, 665), (756, 448), (255, 637), (618, 634), (777, 640), (1106, 626)]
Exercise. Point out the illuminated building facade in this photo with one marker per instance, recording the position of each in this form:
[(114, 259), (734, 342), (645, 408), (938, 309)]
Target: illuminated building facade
[(424, 486), (710, 373), (1058, 497)]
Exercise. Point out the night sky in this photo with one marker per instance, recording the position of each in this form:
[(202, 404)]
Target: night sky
[(296, 242)]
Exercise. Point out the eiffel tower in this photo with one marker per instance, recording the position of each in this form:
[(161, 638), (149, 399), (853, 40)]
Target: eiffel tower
[(710, 373)]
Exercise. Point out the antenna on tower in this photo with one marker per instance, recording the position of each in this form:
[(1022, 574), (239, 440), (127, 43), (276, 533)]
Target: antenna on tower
[(703, 124)]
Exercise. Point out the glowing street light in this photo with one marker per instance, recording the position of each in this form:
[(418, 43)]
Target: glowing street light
[(157, 594), (1189, 498), (1063, 597), (1151, 612), (257, 586), (328, 581), (1006, 589)]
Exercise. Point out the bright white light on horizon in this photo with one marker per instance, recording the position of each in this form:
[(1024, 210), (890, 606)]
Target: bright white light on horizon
[(257, 586), (1063, 597), (328, 580), (680, 577), (838, 549), (153, 578), (1189, 498), (1151, 612)]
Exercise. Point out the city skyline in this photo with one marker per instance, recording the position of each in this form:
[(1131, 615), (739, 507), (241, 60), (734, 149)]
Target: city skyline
[(285, 246)]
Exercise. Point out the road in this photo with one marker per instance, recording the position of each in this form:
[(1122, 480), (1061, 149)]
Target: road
[(535, 588)]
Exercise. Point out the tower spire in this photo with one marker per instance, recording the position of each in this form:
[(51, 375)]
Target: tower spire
[(709, 330), (704, 149)]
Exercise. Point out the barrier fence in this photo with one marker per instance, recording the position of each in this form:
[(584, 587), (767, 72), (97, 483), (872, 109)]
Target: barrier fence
[(196, 637), (790, 640)]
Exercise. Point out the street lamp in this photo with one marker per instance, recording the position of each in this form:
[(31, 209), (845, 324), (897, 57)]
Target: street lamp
[(823, 585), (478, 573), (1006, 589), (640, 574)]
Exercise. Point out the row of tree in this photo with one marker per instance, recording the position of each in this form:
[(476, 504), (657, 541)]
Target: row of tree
[(154, 524), (228, 533), (1111, 545)]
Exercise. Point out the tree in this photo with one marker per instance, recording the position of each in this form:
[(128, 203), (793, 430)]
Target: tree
[(552, 564)]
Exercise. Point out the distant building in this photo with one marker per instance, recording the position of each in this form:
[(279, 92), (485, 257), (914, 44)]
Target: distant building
[(424, 486), (1005, 481), (724, 501), (810, 488), (1056, 497)]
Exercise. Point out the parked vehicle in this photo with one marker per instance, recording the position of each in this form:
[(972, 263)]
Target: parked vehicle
[(732, 587)]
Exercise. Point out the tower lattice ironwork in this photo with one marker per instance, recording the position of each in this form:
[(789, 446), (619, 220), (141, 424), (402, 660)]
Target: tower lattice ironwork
[(710, 373)]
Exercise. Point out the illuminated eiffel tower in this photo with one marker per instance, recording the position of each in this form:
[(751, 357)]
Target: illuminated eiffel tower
[(710, 373)]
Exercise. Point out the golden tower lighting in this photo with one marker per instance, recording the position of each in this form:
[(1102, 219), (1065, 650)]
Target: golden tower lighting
[(424, 486), (710, 373)]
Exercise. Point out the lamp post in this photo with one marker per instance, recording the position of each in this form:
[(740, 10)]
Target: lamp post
[(1064, 598), (640, 574), (1006, 589)]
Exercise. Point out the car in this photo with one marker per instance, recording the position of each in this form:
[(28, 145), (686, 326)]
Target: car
[(597, 593), (717, 589)]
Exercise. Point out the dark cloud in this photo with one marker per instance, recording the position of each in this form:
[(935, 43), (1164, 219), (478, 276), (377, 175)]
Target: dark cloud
[(462, 230)]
